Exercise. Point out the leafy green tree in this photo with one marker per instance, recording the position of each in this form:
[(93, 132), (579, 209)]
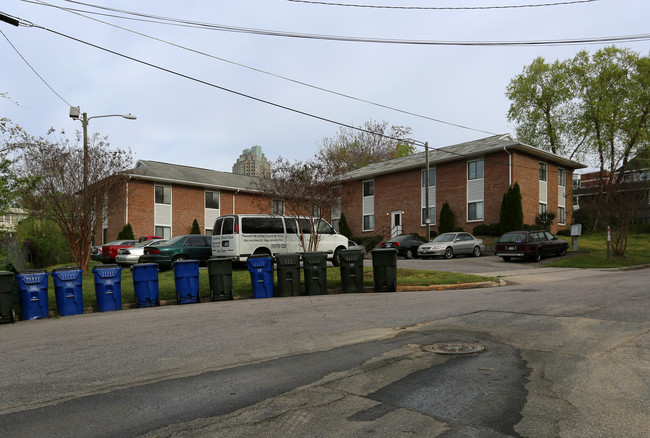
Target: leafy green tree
[(373, 142), (446, 223), (44, 238), (594, 107), (512, 214), (126, 233), (195, 227), (344, 228)]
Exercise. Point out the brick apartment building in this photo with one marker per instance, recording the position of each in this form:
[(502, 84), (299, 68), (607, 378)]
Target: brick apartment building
[(389, 197), (164, 199)]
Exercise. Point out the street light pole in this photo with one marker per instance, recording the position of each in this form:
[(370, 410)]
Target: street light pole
[(84, 119)]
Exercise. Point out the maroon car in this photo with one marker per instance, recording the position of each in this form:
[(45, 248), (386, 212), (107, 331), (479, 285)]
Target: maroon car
[(109, 251), (533, 244)]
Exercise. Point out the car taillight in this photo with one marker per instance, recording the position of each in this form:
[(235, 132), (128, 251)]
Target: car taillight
[(152, 251), (125, 251), (396, 244), (383, 245), (236, 228)]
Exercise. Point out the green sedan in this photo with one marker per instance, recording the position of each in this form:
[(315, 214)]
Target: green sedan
[(187, 247)]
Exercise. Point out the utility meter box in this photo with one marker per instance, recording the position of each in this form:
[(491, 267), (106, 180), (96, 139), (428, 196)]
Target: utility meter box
[(576, 230)]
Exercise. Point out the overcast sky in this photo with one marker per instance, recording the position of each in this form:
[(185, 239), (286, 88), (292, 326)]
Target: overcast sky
[(196, 122)]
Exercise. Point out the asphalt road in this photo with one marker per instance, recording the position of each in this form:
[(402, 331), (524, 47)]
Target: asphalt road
[(566, 354)]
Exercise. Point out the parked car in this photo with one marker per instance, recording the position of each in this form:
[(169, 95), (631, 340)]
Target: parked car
[(96, 253), (529, 244), (355, 246), (186, 247), (447, 245), (143, 238), (406, 244), (131, 256), (109, 251)]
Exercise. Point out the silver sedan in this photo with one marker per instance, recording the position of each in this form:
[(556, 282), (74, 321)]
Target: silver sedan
[(447, 245), (131, 256)]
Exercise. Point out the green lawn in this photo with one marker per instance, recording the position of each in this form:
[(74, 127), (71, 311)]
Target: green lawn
[(592, 252), (242, 283)]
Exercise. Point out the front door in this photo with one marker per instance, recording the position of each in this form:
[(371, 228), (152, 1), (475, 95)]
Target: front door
[(396, 223)]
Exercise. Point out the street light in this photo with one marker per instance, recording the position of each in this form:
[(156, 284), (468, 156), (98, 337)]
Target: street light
[(84, 119)]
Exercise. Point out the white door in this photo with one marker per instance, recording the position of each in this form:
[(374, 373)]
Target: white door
[(396, 223)]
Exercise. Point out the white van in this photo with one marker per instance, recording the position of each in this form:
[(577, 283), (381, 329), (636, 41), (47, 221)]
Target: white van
[(241, 235)]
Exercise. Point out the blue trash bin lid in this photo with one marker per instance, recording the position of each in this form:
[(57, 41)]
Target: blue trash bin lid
[(67, 273)]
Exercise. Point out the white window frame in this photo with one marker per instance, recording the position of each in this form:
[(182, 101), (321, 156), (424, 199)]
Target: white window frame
[(475, 188), (368, 206)]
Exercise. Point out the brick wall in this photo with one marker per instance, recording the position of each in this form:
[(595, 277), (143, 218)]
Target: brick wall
[(401, 191)]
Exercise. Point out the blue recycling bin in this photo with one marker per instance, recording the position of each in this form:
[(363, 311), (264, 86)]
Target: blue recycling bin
[(145, 284), (32, 291), (186, 278), (261, 270), (68, 290), (108, 287)]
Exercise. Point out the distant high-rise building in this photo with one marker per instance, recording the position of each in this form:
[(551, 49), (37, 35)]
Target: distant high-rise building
[(252, 162)]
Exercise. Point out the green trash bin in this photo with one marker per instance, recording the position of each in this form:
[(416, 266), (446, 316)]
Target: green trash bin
[(7, 312), (384, 269), (288, 272), (351, 270), (220, 278), (315, 267)]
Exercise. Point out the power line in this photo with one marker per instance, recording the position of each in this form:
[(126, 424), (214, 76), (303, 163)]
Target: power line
[(444, 8), (263, 32), (33, 69), (347, 96)]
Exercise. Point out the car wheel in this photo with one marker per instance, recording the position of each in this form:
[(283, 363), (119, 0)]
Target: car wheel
[(449, 253), (178, 257), (506, 259), (562, 252), (477, 251), (408, 254), (538, 255), (335, 258)]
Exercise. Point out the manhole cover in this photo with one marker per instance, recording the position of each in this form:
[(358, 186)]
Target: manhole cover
[(454, 348)]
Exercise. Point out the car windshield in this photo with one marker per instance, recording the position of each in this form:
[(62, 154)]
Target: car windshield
[(445, 238), (513, 237)]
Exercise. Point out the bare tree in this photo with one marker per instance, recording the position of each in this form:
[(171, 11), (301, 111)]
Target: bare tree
[(373, 142), (304, 191), (56, 166)]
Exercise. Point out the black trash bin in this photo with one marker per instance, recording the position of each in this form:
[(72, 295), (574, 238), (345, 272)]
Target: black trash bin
[(351, 261), (7, 312), (288, 267), (315, 267), (384, 269), (220, 278)]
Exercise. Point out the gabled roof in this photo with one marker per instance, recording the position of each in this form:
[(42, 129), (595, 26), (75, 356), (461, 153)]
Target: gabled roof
[(191, 176), (470, 149)]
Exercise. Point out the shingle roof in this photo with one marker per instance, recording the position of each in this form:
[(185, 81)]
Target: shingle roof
[(195, 176), (465, 150)]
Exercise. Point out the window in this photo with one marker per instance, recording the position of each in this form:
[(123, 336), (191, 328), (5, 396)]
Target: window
[(475, 211), (277, 207), (163, 195), (561, 177), (369, 188), (164, 232), (542, 208), (262, 225), (561, 215), (212, 200), (432, 177), (475, 169), (542, 171), (368, 222), (432, 215)]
